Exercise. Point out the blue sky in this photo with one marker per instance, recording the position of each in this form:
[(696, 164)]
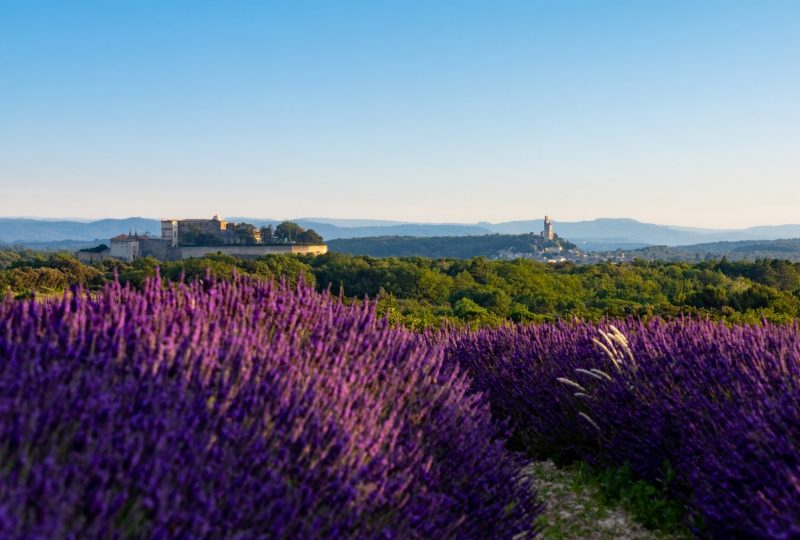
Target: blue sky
[(678, 112)]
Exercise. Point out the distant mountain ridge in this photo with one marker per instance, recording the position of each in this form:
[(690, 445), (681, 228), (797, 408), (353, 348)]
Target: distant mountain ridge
[(22, 230), (597, 234)]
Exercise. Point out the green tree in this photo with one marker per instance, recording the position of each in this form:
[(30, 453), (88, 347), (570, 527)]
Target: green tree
[(288, 232), (267, 234), (309, 237), (469, 310), (245, 233)]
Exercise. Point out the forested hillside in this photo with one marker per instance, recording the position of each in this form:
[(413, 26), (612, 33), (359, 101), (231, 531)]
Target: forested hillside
[(458, 247)]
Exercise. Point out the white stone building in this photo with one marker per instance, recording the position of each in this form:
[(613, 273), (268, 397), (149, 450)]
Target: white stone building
[(125, 247)]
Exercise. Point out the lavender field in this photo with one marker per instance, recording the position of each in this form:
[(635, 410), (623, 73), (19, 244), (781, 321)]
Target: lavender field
[(246, 409)]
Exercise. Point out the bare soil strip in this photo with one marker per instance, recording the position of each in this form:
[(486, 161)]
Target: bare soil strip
[(575, 511)]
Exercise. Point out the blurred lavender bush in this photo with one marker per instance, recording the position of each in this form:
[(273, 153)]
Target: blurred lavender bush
[(719, 405)]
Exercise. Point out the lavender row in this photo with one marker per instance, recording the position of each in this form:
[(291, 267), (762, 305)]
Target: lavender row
[(241, 410), (719, 404)]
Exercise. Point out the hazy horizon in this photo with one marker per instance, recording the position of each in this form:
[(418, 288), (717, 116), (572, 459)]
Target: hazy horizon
[(681, 113), (334, 220)]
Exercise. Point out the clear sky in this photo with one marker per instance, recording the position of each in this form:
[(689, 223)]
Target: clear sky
[(667, 111)]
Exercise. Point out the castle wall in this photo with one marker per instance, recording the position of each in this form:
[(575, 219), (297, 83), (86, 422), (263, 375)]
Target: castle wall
[(319, 249), (90, 257), (212, 227), (186, 252), (154, 247)]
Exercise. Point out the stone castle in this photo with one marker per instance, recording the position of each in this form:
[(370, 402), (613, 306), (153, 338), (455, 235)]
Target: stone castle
[(187, 238)]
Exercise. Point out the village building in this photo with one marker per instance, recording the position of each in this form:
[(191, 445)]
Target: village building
[(125, 247)]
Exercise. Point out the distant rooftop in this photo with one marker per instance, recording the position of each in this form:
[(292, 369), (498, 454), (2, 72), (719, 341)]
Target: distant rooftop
[(126, 237)]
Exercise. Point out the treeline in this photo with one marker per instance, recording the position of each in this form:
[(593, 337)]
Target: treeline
[(458, 247), (289, 232), (283, 233), (422, 292)]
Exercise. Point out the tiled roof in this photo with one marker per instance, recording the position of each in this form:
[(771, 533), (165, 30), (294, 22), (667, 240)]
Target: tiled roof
[(128, 237)]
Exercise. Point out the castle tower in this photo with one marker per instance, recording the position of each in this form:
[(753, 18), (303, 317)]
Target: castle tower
[(547, 232), (169, 231)]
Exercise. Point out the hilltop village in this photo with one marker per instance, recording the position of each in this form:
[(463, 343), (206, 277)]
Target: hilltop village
[(187, 238), (548, 247)]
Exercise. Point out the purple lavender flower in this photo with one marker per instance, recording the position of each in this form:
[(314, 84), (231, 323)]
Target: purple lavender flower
[(241, 410)]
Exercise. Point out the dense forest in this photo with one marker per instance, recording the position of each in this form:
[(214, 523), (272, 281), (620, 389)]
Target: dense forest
[(422, 292)]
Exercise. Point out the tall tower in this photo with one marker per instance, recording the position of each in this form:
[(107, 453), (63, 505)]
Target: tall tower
[(169, 231), (547, 233)]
